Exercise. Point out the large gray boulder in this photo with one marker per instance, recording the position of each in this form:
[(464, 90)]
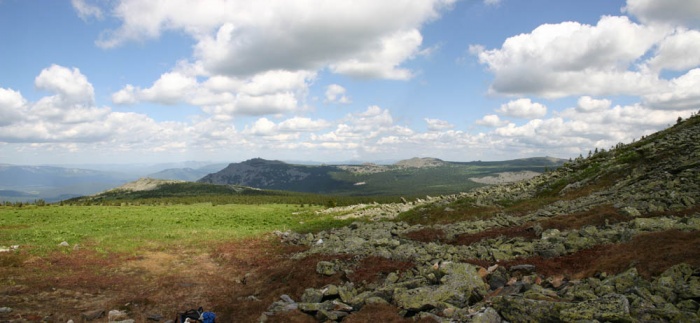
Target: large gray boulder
[(459, 286), (610, 308)]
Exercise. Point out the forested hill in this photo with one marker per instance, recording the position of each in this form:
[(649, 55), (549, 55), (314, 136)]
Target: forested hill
[(277, 175)]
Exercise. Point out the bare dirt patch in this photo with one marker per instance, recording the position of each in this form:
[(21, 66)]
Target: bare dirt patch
[(236, 280)]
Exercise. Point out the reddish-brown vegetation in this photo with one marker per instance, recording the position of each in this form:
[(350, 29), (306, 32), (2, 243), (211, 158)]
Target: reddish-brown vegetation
[(508, 232), (427, 235), (650, 253), (372, 269), (380, 313), (596, 217)]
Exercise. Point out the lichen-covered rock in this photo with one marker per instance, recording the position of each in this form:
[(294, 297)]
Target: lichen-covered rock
[(310, 307), (623, 282), (653, 224), (630, 211), (459, 285), (329, 290), (326, 316), (549, 249), (515, 308), (347, 292), (286, 304), (375, 300), (360, 299), (312, 295), (326, 268), (610, 308), (487, 315), (678, 282), (540, 293)]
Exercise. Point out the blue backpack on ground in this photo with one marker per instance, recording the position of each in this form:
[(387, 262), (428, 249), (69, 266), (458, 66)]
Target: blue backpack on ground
[(208, 317)]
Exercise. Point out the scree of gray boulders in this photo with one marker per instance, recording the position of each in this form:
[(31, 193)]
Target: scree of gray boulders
[(443, 287)]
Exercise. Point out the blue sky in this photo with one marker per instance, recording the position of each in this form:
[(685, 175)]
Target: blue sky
[(122, 81)]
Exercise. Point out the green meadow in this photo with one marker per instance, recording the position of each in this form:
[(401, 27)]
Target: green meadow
[(40, 229)]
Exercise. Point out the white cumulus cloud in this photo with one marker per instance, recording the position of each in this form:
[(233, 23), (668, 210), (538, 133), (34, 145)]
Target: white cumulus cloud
[(382, 61), (86, 10), (491, 120), (438, 125), (588, 104), (271, 92), (362, 38), (12, 106), (70, 86), (673, 53), (69, 118), (681, 93), (570, 58), (336, 94), (523, 108)]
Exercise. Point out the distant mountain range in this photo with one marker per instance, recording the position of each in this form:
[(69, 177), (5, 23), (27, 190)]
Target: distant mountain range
[(411, 176)]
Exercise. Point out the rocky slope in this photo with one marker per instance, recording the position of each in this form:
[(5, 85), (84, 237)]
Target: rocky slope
[(612, 237)]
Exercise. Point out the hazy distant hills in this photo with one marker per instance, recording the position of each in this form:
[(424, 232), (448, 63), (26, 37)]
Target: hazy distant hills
[(54, 183), (50, 183)]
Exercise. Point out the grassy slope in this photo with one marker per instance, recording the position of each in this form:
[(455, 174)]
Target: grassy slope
[(129, 228)]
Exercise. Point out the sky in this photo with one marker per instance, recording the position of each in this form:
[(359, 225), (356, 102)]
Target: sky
[(133, 81)]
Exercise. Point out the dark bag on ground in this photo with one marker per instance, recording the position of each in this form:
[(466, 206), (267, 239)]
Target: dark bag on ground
[(192, 315), (198, 315)]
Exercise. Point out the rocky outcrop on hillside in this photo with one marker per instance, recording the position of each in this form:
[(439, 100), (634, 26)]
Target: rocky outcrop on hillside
[(418, 162), (144, 184), (537, 255), (505, 177)]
